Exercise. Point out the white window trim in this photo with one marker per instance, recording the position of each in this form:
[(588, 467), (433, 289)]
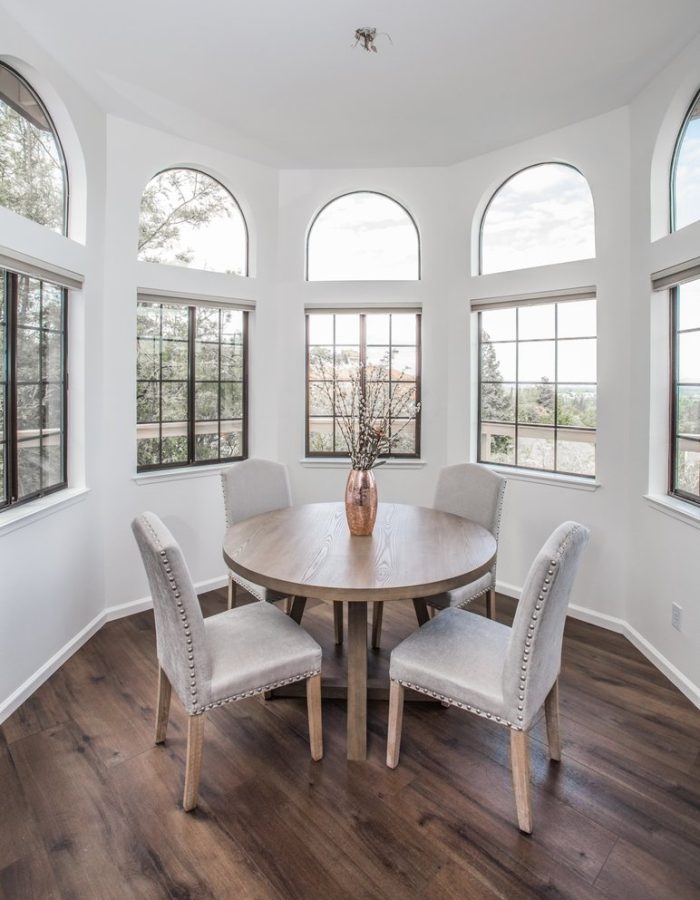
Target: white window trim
[(18, 516), (184, 472), (675, 508), (556, 479)]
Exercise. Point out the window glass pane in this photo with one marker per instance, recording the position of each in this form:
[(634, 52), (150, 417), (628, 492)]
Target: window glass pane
[(576, 405), (537, 403), (577, 361), (28, 468), (576, 452), (497, 443), (363, 236), (535, 448), (321, 329), (388, 373), (540, 216), (536, 322), (32, 170), (211, 365), (377, 327), (347, 329), (498, 362), (29, 303), (190, 219), (686, 171), (497, 402), (689, 356), (498, 324), (689, 305), (576, 318), (688, 466), (536, 361)]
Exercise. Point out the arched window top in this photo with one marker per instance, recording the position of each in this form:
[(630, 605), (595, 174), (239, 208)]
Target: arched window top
[(685, 171), (539, 216), (33, 178), (363, 236), (190, 219)]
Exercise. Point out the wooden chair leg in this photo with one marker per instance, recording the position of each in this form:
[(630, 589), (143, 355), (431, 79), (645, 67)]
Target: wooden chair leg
[(520, 765), (162, 706), (432, 611), (491, 604), (551, 715), (393, 741), (377, 613), (193, 767), (313, 703), (421, 608), (338, 621), (231, 591), (288, 606)]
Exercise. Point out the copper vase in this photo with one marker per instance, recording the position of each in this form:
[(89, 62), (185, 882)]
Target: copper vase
[(361, 501)]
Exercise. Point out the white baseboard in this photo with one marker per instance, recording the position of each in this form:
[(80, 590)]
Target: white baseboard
[(25, 690), (613, 623)]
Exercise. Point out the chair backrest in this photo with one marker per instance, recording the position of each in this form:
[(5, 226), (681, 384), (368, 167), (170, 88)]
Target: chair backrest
[(180, 637), (534, 652), (253, 487), (472, 491)]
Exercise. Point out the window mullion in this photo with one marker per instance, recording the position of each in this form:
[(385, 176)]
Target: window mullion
[(191, 336), (12, 385)]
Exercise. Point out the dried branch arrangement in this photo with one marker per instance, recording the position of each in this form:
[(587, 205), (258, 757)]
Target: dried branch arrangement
[(366, 405)]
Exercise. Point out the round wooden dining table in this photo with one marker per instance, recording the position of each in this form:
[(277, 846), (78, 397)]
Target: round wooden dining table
[(308, 551)]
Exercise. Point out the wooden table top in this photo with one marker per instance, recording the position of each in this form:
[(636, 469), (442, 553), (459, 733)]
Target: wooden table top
[(308, 551)]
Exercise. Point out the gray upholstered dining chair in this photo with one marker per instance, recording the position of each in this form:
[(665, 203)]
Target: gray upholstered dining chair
[(474, 492), (500, 673), (225, 657), (253, 487)]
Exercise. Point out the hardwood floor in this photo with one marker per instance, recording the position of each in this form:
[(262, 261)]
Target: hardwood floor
[(89, 806)]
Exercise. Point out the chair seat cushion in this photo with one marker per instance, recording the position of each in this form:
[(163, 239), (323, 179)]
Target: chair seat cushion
[(254, 646), (257, 590), (463, 596), (459, 656)]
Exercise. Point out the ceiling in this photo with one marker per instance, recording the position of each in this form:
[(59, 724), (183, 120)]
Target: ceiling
[(279, 81)]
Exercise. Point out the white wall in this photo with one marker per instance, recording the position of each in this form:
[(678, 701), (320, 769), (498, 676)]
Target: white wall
[(52, 570), (61, 573)]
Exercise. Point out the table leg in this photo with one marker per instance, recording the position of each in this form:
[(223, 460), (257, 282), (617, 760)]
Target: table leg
[(357, 680)]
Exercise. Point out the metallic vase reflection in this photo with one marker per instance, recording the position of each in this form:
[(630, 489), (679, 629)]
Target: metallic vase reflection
[(361, 502)]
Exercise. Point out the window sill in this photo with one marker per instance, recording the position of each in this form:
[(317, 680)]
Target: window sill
[(573, 482), (165, 475), (675, 508), (311, 462), (19, 516)]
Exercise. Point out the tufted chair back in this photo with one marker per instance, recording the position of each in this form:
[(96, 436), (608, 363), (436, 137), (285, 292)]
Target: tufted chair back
[(180, 637), (253, 487), (534, 651)]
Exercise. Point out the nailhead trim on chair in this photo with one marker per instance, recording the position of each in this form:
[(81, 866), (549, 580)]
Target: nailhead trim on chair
[(261, 690), (247, 586), (535, 618), (183, 614), (458, 703), (532, 628)]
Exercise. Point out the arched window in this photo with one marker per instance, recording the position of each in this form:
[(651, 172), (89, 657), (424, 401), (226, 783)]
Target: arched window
[(363, 236), (33, 179), (539, 216), (190, 219), (685, 171)]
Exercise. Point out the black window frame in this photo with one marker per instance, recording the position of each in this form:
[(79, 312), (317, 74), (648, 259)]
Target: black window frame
[(674, 164), (10, 498), (322, 454), (64, 166), (554, 427), (674, 435), (191, 380)]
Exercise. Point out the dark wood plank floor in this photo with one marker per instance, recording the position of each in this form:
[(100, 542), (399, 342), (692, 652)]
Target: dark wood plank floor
[(89, 807)]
